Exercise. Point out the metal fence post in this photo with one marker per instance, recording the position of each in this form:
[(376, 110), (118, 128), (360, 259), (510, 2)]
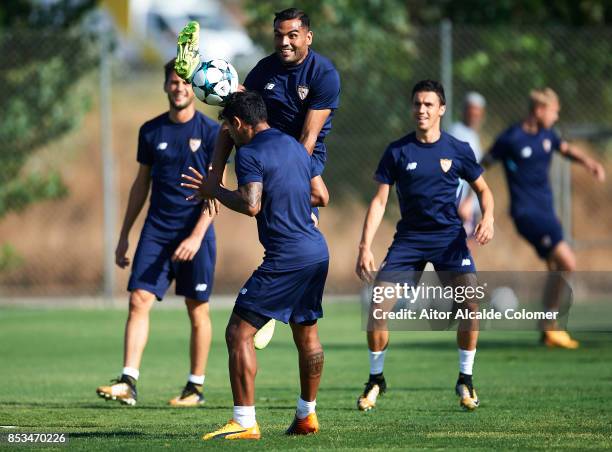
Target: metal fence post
[(108, 176), (446, 68)]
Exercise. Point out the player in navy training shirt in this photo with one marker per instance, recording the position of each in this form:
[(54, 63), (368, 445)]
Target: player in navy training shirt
[(301, 89), (426, 166), (526, 151), (177, 241), (273, 171)]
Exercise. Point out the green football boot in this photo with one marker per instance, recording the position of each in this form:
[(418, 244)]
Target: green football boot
[(187, 54)]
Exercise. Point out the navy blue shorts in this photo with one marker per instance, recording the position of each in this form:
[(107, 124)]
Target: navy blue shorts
[(290, 296), (317, 160), (154, 271), (409, 256), (543, 231)]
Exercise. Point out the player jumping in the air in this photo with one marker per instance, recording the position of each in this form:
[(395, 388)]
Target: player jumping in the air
[(273, 171), (177, 240), (427, 166), (300, 87), (526, 151)]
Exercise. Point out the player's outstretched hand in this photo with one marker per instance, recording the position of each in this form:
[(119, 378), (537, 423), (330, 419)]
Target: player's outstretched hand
[(596, 170), (121, 258), (187, 249), (484, 231), (365, 267), (204, 189)]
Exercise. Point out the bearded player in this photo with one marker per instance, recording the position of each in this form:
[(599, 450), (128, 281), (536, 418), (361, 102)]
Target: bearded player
[(177, 241), (301, 90)]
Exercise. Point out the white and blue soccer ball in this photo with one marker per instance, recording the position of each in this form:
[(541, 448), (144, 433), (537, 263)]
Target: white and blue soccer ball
[(213, 81)]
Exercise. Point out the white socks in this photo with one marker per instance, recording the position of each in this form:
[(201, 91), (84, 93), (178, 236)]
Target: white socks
[(377, 361), (466, 361), (304, 408), (196, 379), (131, 372), (245, 415)]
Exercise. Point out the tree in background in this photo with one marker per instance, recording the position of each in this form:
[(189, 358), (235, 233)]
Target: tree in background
[(44, 53)]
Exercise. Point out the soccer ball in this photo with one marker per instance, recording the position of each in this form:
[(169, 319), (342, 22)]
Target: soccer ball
[(213, 81), (504, 298)]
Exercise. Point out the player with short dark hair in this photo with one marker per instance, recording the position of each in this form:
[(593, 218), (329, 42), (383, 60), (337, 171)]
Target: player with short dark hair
[(177, 241), (273, 171), (301, 89), (526, 151), (426, 166)]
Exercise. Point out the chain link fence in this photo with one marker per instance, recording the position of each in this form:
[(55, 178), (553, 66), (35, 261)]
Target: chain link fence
[(52, 195)]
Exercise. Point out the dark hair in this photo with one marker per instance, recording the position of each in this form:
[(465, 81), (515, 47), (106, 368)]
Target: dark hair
[(169, 69), (292, 13), (430, 86), (249, 106)]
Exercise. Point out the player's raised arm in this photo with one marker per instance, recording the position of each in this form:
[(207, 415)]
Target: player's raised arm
[(575, 154), (365, 261), (138, 196), (484, 229)]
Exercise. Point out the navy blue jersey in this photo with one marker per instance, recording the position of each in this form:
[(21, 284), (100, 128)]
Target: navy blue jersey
[(170, 149), (286, 229), (427, 177), (290, 91), (526, 158)]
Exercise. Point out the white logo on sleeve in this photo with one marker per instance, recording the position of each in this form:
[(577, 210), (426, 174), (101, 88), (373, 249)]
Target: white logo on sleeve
[(547, 144), (201, 287), (163, 145), (269, 86), (526, 152), (243, 290), (466, 262), (411, 166)]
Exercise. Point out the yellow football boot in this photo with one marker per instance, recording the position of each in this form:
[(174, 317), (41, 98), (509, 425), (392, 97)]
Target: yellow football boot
[(233, 430), (559, 339)]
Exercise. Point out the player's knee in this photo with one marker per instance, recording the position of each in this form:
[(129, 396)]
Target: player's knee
[(235, 337), (140, 301)]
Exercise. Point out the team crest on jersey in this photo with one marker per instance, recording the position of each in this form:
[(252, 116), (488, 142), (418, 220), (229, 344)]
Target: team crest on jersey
[(547, 144), (302, 91), (446, 164), (194, 144)]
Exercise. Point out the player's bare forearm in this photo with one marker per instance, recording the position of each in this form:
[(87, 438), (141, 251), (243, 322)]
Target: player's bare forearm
[(484, 229), (374, 216), (137, 198), (245, 200), (576, 154), (313, 123), (223, 148), (203, 223)]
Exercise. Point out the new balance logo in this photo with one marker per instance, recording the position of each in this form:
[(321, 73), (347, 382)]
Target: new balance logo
[(161, 146), (269, 86), (243, 290), (466, 262), (411, 166), (201, 287)]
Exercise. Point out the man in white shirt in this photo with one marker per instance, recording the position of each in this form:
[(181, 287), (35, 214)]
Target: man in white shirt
[(467, 130)]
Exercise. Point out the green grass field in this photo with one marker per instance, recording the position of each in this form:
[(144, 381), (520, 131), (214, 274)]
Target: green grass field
[(51, 362)]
